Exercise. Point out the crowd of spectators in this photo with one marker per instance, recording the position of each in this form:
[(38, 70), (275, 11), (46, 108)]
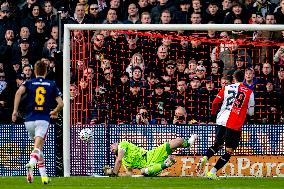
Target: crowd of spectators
[(131, 77)]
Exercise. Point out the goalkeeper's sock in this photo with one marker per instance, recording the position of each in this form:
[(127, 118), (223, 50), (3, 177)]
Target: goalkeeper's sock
[(155, 169), (223, 160)]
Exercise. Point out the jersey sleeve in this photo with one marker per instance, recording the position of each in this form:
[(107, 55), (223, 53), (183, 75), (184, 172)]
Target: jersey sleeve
[(219, 98), (251, 105), (56, 91)]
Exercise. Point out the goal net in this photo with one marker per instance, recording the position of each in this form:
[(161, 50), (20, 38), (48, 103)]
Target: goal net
[(113, 72)]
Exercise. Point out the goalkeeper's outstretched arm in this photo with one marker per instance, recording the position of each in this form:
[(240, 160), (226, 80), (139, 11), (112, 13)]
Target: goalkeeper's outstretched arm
[(118, 162)]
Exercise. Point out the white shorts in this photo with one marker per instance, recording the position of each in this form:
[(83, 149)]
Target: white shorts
[(37, 128)]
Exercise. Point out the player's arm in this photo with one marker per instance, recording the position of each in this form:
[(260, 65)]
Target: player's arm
[(59, 107), (17, 99), (118, 161), (219, 98), (251, 105)]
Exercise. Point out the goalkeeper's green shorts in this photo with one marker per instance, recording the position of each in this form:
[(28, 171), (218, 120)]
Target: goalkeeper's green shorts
[(158, 154)]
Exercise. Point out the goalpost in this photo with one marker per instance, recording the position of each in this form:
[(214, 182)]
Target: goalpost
[(168, 27)]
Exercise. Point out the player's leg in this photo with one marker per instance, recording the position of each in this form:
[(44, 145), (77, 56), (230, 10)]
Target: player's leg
[(219, 141), (34, 156), (154, 169), (182, 143), (41, 132), (232, 139), (42, 169)]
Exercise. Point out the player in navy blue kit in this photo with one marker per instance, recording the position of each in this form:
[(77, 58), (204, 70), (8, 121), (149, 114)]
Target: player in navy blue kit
[(41, 95)]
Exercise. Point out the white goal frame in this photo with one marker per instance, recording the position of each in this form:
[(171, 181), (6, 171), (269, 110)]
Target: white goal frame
[(165, 27)]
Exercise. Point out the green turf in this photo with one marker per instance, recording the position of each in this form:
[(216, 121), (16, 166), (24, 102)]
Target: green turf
[(141, 183)]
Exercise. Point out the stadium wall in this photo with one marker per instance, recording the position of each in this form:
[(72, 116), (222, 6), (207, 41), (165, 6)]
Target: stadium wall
[(15, 149), (260, 152)]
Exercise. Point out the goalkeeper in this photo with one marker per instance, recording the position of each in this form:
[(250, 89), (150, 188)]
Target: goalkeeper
[(151, 162)]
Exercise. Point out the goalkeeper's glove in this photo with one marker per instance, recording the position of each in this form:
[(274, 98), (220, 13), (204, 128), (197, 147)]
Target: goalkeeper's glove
[(108, 171)]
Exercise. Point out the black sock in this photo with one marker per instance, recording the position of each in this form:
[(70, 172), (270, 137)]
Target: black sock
[(211, 151), (223, 160)]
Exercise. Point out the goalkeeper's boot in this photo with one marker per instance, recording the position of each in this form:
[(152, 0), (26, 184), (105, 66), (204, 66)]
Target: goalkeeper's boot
[(192, 139), (201, 163), (45, 180), (30, 169), (170, 161), (212, 176)]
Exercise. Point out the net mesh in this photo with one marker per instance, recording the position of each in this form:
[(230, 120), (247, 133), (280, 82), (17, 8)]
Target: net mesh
[(97, 66), (101, 97)]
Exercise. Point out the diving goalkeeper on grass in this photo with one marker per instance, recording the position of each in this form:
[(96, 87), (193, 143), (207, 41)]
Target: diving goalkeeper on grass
[(151, 162)]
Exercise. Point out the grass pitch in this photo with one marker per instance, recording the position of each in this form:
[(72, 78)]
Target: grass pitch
[(142, 183)]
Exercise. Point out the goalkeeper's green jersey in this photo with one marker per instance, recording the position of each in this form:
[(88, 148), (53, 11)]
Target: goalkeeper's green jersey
[(134, 156)]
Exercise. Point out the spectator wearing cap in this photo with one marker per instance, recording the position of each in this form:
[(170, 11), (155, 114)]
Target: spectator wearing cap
[(239, 65), (169, 76), (23, 50), (131, 101), (195, 103), (25, 34), (161, 104), (183, 14), (133, 14), (40, 34), (209, 93), (237, 11), (156, 11)]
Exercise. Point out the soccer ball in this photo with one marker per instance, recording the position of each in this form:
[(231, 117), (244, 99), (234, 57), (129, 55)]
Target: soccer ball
[(86, 135)]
